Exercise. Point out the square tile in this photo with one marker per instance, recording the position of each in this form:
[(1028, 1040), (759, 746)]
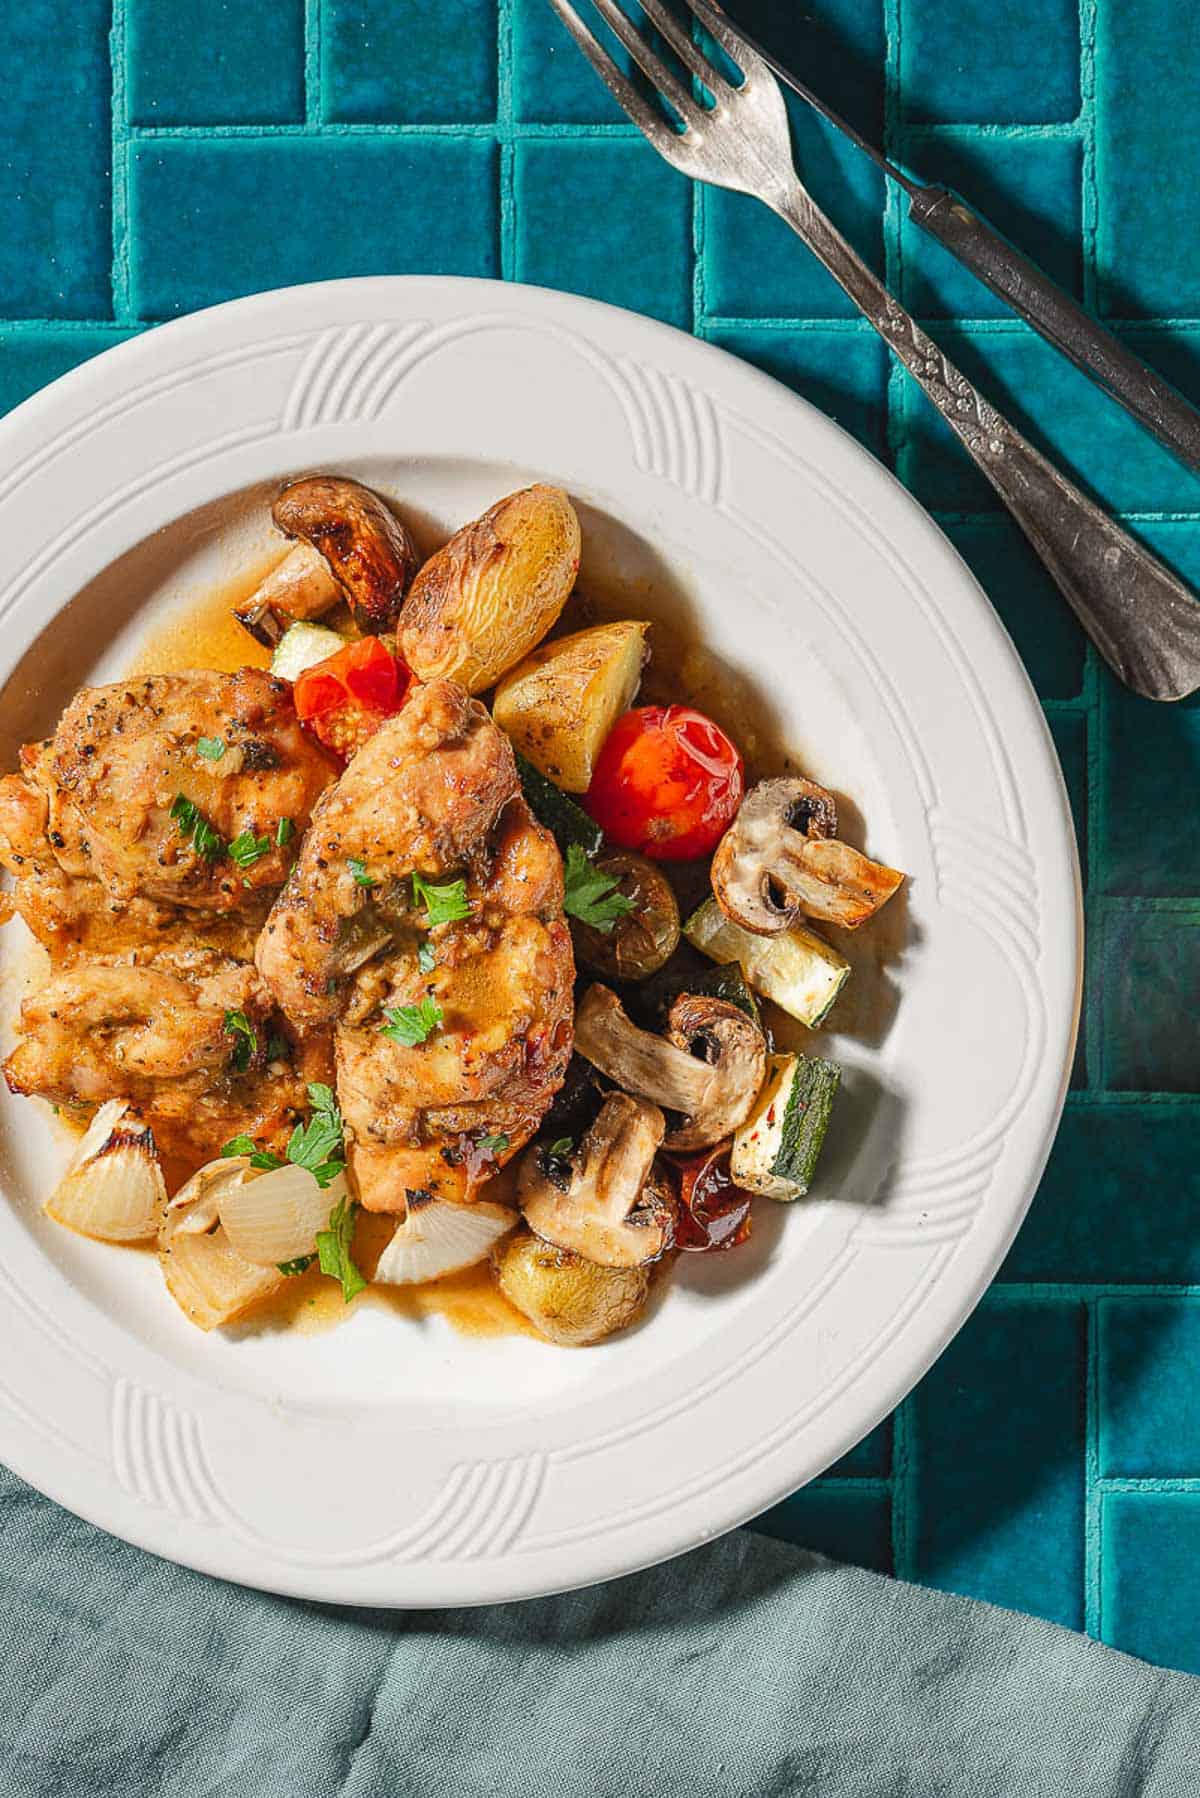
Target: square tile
[(1147, 73), (31, 359), (388, 64), (1119, 1200), (873, 1455), (1150, 987), (1151, 1587), (998, 1460), (1149, 1392), (636, 250), (845, 373), (839, 1521), (552, 81), (215, 62), (975, 62), (1038, 619), (840, 47), (1149, 759), (1061, 411), (56, 163), (198, 224), (756, 267), (1029, 188)]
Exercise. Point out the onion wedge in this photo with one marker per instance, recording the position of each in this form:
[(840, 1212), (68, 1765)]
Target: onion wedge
[(276, 1217), (209, 1281), (114, 1188), (437, 1238)]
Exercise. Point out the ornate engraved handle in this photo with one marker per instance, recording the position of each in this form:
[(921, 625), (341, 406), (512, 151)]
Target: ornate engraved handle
[(1141, 617)]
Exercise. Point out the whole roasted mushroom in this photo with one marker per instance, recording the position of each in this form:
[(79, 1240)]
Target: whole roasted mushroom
[(348, 546), (708, 1069), (779, 859), (609, 1207)]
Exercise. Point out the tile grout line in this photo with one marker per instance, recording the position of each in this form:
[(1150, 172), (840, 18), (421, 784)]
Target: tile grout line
[(505, 136), (1092, 1501), (903, 1482), (895, 396), (121, 276), (313, 73), (1054, 1292), (1092, 1033)]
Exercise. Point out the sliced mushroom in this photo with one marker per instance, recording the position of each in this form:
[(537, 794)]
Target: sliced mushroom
[(348, 546), (611, 1210), (708, 1069), (779, 860)]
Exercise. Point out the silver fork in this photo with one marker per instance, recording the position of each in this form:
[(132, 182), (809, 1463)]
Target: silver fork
[(1141, 617)]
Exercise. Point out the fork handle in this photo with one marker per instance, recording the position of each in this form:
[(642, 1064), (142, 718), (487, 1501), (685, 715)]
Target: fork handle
[(1060, 319), (1140, 615)]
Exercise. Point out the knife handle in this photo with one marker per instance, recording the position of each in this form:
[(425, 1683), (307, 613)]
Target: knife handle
[(1060, 319)]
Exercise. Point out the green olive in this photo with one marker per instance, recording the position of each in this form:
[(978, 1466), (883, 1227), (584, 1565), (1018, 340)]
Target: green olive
[(644, 939)]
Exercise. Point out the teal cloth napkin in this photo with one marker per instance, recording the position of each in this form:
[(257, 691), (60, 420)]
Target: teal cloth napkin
[(746, 1668)]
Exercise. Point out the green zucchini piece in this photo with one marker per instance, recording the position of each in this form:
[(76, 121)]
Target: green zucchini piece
[(303, 646), (567, 822), (727, 982), (802, 974), (776, 1150)]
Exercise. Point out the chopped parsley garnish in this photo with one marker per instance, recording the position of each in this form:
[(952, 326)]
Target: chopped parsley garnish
[(278, 1047), (426, 959), (561, 1147), (493, 1145), (411, 1024), (300, 1265), (333, 1249), (246, 848), (443, 904), (591, 896), (283, 831), (211, 748), (245, 1040), (316, 1146), (193, 824), (359, 870)]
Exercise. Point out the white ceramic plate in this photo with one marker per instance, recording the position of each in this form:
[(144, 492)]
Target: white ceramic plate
[(395, 1462)]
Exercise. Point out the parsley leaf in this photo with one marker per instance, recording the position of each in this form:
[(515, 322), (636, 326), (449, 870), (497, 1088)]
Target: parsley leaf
[(211, 748), (333, 1250), (444, 904), (561, 1146), (246, 848), (245, 1037), (192, 823), (318, 1145), (359, 870), (283, 831), (591, 896), (411, 1024), (493, 1145), (299, 1266), (246, 1145), (426, 959)]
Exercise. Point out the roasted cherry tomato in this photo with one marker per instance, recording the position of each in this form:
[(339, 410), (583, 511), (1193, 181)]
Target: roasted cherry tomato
[(667, 782), (713, 1212), (344, 699)]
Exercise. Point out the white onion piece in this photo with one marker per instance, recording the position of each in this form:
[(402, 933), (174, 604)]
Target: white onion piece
[(207, 1278), (276, 1217), (114, 1188), (437, 1238)]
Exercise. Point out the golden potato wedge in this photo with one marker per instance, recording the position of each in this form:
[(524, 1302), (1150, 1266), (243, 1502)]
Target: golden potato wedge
[(571, 1301), (561, 703), (493, 591)]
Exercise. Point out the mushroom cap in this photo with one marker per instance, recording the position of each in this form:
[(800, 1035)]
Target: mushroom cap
[(370, 553), (712, 1092), (753, 868), (613, 1211)]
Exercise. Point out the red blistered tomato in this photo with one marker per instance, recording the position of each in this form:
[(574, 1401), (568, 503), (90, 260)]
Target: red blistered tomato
[(668, 782), (713, 1212), (344, 699)]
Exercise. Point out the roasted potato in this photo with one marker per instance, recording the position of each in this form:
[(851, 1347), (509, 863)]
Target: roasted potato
[(563, 700), (493, 591), (571, 1301)]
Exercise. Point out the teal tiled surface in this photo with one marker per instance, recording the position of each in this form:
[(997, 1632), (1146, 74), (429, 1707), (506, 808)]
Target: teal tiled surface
[(156, 158)]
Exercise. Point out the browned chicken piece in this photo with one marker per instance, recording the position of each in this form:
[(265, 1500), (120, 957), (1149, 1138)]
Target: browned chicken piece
[(421, 794), (440, 1116), (101, 792), (158, 1035)]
